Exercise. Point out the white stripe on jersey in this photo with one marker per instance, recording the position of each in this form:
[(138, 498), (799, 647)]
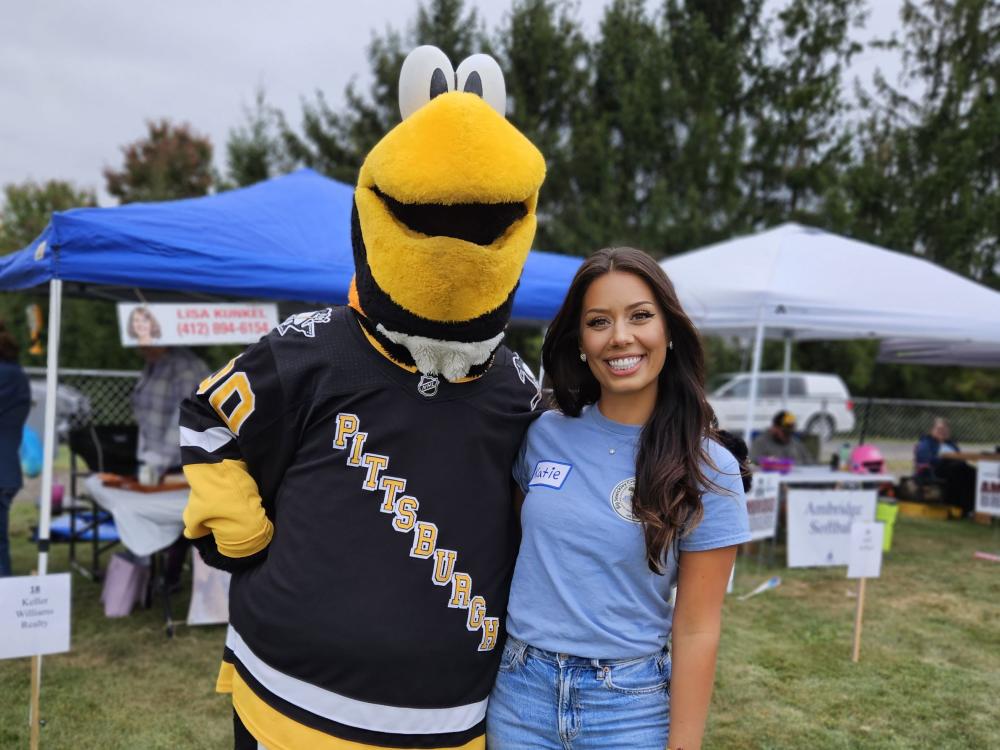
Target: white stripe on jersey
[(210, 440), (336, 707)]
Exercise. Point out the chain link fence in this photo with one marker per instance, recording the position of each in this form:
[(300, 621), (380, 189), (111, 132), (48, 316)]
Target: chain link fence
[(83, 398), (103, 397), (898, 419)]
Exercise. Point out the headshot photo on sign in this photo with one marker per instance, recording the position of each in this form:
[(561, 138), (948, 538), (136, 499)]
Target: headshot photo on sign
[(143, 326)]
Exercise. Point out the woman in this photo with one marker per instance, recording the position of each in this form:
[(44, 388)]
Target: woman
[(143, 326), (15, 402), (627, 495)]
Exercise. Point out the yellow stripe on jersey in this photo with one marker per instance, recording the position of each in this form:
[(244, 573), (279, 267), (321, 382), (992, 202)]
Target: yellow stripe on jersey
[(224, 682), (225, 501), (275, 731)]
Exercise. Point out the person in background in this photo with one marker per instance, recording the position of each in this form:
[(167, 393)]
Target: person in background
[(15, 402), (170, 376), (780, 441), (931, 461), (627, 494), (735, 445)]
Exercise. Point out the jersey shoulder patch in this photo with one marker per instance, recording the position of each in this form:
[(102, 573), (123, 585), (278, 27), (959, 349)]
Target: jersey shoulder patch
[(517, 371), (305, 323)]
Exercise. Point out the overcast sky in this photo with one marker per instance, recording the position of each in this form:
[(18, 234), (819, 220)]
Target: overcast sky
[(79, 79)]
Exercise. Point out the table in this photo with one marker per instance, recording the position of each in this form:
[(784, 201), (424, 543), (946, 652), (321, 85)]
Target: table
[(147, 521), (969, 457), (824, 475), (814, 476)]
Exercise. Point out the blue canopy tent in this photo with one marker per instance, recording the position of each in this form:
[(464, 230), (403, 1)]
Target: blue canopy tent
[(288, 238)]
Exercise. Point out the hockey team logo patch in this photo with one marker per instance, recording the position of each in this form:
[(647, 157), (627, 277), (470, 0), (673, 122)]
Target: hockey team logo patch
[(525, 375), (305, 323), (550, 474), (621, 499)]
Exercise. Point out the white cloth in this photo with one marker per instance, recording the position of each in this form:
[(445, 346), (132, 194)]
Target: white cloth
[(146, 522)]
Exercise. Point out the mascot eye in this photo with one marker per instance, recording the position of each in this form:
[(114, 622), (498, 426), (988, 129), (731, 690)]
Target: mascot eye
[(480, 75), (426, 73)]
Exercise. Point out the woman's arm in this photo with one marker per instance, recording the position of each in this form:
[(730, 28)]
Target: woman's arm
[(701, 587)]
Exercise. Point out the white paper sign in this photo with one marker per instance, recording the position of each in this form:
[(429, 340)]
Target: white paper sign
[(194, 324), (865, 560), (209, 594), (819, 524), (34, 615), (988, 487), (762, 505)]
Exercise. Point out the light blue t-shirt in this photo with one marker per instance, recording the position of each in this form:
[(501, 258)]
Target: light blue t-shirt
[(581, 584)]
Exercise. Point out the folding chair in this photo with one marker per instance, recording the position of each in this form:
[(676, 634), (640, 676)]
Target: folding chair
[(101, 448)]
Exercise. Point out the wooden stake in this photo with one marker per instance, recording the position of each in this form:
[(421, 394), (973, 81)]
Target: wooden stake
[(36, 689), (857, 621), (36, 674)]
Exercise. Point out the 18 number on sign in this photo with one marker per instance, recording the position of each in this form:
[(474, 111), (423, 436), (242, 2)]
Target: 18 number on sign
[(34, 615)]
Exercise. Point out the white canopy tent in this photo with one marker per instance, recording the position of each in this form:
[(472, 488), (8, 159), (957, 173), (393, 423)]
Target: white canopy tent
[(920, 352), (800, 283)]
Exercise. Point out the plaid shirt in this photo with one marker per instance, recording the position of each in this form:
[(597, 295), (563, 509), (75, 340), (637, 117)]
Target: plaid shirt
[(156, 404)]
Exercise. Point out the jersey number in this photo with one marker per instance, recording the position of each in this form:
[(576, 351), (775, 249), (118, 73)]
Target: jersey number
[(236, 383)]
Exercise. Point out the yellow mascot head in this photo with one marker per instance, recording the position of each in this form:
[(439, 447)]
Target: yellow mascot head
[(444, 217)]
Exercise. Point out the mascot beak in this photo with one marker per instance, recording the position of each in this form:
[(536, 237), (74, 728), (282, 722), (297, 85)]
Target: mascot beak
[(446, 207)]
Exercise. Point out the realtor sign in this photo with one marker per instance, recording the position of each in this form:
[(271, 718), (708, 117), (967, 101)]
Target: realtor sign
[(865, 556), (988, 488), (194, 324), (34, 615), (762, 506), (819, 524)]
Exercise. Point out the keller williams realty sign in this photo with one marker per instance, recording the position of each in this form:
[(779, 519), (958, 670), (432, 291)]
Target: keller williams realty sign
[(819, 524), (988, 488), (195, 324)]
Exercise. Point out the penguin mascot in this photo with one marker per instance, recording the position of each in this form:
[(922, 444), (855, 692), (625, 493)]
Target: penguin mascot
[(352, 468)]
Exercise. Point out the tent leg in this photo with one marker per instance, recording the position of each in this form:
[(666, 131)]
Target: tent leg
[(758, 346), (49, 442), (785, 369), (868, 409)]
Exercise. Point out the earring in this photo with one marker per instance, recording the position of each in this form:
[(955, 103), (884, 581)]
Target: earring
[(670, 345), (583, 357)]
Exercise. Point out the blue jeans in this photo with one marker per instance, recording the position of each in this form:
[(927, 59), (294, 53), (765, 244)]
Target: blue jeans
[(543, 700), (6, 498)]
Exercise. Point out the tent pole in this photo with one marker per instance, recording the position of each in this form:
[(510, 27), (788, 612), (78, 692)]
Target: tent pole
[(49, 442), (49, 439), (787, 366), (868, 407), (758, 346)]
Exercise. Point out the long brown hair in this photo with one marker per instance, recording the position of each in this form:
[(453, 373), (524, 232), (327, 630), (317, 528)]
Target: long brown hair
[(669, 473)]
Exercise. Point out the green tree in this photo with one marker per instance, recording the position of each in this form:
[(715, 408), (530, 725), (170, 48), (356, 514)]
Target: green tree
[(800, 139), (28, 207), (170, 162), (254, 150), (928, 180)]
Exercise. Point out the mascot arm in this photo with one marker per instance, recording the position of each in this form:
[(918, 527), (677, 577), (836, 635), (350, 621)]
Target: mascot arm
[(233, 448)]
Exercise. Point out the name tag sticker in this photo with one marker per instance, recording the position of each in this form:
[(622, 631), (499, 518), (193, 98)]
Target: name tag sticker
[(550, 474)]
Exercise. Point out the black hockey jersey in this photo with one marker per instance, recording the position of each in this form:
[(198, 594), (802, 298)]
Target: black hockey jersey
[(366, 512)]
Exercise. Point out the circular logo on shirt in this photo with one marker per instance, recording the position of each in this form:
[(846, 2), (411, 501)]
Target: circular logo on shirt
[(621, 499)]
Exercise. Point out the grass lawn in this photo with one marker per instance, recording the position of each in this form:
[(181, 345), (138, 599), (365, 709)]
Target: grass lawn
[(929, 674)]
